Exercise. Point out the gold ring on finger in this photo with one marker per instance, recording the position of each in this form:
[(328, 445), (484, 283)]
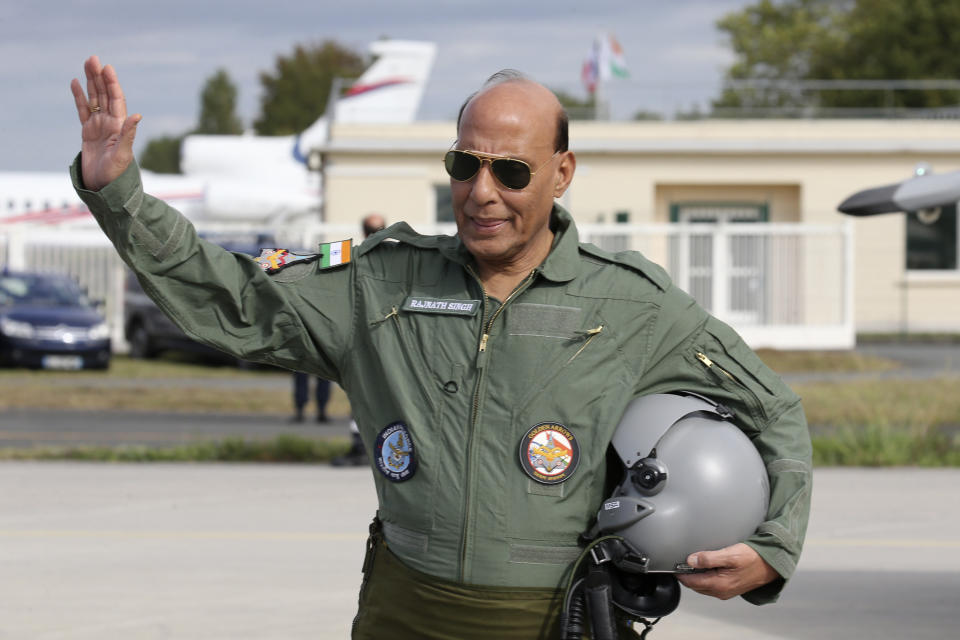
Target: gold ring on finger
[(94, 108)]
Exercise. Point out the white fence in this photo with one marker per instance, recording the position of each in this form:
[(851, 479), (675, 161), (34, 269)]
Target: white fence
[(785, 286)]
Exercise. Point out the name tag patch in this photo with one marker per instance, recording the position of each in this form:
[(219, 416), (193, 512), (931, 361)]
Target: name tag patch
[(394, 452), (441, 305), (549, 453)]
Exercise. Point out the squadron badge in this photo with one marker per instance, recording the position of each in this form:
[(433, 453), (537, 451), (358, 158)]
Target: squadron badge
[(394, 453), (549, 453), (273, 260)]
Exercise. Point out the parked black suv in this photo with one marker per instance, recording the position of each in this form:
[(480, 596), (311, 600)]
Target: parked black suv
[(150, 332)]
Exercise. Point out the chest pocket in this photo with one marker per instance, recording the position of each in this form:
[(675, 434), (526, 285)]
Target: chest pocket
[(543, 320), (545, 342)]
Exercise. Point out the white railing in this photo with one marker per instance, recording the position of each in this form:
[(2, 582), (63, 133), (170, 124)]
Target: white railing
[(781, 285), (786, 286)]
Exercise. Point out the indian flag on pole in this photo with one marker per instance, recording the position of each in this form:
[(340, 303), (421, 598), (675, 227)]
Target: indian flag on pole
[(617, 63), (605, 61), (333, 254)]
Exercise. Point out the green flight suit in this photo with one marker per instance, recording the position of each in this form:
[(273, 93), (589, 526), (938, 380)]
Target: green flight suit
[(409, 333)]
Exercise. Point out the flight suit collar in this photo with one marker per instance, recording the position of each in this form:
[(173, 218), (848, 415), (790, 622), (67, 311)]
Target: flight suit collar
[(561, 264)]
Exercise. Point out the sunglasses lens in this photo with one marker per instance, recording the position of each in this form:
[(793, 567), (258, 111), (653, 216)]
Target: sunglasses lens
[(461, 166), (513, 174)]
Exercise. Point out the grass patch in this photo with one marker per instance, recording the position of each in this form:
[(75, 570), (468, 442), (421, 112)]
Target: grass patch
[(909, 338), (285, 449), (184, 399), (824, 362), (901, 405), (860, 422), (124, 367), (879, 446), (159, 385), (884, 422)]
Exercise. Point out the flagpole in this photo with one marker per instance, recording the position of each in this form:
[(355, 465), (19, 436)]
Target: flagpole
[(600, 107)]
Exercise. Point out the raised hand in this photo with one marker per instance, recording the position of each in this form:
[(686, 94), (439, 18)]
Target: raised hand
[(108, 133)]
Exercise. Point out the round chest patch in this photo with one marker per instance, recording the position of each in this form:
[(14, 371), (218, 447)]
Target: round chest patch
[(549, 453), (394, 452)]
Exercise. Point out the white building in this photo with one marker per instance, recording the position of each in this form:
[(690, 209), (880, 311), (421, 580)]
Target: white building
[(802, 276)]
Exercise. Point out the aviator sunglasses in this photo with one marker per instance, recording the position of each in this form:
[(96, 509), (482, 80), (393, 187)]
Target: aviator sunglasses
[(511, 173)]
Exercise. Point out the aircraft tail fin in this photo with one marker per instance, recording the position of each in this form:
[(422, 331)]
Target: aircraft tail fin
[(390, 90)]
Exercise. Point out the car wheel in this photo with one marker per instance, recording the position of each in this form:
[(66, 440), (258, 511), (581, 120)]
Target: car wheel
[(140, 346)]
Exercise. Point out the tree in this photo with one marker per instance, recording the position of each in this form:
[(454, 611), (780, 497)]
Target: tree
[(576, 108), (218, 102), (888, 39), (646, 114), (162, 155), (778, 44), (295, 94)]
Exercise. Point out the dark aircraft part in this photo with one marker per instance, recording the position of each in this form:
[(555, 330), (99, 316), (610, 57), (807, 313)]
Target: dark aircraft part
[(923, 192), (870, 202)]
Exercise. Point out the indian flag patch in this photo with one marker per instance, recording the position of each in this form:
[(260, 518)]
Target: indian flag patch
[(334, 254)]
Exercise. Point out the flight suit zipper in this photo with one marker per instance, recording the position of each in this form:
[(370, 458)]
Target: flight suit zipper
[(486, 327), (749, 395), (714, 366)]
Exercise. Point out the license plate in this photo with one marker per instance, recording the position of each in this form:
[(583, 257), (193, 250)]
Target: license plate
[(62, 362)]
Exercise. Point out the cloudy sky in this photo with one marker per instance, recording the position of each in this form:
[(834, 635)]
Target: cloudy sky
[(164, 51)]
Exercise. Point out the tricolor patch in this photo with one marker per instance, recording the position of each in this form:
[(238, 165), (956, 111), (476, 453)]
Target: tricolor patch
[(334, 254)]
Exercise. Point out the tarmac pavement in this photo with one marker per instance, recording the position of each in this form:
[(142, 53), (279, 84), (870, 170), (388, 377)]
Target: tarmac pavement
[(227, 551), (54, 428), (222, 551)]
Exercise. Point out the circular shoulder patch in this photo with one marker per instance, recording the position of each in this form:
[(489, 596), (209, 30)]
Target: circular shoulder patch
[(394, 452), (549, 453)]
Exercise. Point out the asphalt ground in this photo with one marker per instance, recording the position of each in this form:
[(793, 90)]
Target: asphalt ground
[(49, 428), (246, 551), (221, 551)]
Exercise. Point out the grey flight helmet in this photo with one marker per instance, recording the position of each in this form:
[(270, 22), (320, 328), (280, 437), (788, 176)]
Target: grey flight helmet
[(692, 482)]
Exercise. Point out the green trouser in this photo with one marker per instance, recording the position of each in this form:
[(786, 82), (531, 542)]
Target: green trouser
[(400, 603)]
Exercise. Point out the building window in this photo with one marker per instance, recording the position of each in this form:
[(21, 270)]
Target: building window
[(444, 199), (932, 243)]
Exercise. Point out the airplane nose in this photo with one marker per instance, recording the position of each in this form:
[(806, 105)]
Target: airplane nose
[(870, 202)]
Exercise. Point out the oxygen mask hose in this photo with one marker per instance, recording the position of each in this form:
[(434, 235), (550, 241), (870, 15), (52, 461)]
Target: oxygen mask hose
[(599, 592)]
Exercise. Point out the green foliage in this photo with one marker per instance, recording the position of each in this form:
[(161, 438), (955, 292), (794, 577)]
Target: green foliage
[(890, 39), (885, 446), (217, 116), (295, 94), (283, 449), (644, 114), (693, 113), (577, 109), (778, 43), (218, 103), (162, 155)]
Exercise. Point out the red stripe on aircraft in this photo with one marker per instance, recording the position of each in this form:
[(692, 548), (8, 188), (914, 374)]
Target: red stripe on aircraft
[(358, 89), (52, 216)]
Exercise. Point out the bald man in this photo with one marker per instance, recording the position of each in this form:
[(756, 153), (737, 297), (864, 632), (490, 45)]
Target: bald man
[(487, 371)]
